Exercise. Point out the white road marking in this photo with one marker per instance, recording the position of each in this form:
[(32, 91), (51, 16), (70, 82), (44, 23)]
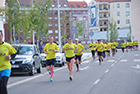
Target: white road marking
[(97, 61), (97, 81), (110, 60), (107, 71), (112, 65), (84, 68), (85, 62), (31, 78), (123, 60), (136, 60), (137, 54), (136, 67)]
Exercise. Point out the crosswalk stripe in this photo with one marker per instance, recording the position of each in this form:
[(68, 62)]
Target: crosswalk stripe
[(123, 60), (110, 60), (136, 60)]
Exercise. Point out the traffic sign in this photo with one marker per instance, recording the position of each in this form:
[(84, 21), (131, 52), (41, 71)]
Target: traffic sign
[(91, 33)]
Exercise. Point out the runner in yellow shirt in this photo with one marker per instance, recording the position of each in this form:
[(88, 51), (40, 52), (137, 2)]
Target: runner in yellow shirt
[(70, 49), (127, 45), (130, 45), (93, 48), (50, 49), (113, 47), (137, 44), (79, 53), (104, 50), (123, 46), (108, 47), (100, 47), (7, 52), (117, 43)]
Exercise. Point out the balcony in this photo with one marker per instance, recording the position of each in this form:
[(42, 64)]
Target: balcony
[(103, 10), (75, 15), (103, 18), (103, 25)]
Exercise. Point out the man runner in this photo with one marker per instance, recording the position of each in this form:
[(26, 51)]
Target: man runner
[(123, 46), (50, 49), (113, 47), (5, 67), (79, 53), (93, 48), (70, 49)]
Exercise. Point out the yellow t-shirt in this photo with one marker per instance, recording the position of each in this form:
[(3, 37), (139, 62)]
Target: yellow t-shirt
[(49, 49), (116, 44), (80, 48), (100, 47), (123, 45), (93, 46), (136, 43), (113, 45), (70, 52), (130, 44), (5, 48), (127, 44), (108, 46), (105, 46)]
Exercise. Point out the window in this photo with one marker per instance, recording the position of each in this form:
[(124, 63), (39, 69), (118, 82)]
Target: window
[(127, 13), (21, 38), (100, 22), (84, 5), (105, 29), (74, 19), (85, 24), (127, 21), (50, 31), (80, 18), (55, 18), (78, 12), (78, 5), (73, 12), (85, 30), (61, 18), (50, 12), (118, 21), (127, 5), (100, 15), (56, 25), (101, 29), (84, 12), (50, 25), (56, 31), (118, 13), (65, 5), (56, 37), (100, 7), (105, 23), (53, 5), (105, 7), (55, 12), (72, 5), (61, 12), (118, 5), (108, 6), (50, 18), (85, 19), (105, 15)]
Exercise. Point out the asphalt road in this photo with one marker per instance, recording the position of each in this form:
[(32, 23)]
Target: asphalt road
[(119, 75)]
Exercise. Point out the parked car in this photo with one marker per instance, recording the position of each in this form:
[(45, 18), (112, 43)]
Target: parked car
[(28, 59), (60, 59)]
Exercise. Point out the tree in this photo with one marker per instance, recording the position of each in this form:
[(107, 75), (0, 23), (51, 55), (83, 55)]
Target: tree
[(80, 25), (32, 19), (113, 31), (129, 34)]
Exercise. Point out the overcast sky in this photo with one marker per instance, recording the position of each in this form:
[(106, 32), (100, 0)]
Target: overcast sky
[(88, 1)]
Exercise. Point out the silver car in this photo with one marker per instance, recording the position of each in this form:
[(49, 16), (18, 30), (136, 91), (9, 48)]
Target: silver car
[(27, 59)]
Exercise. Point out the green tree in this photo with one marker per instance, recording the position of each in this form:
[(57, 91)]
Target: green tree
[(81, 27), (113, 31), (129, 34)]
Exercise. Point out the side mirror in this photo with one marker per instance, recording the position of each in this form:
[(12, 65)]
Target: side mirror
[(36, 54)]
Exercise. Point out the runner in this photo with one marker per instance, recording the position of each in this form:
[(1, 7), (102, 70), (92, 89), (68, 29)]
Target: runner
[(50, 49), (109, 44), (100, 47), (130, 45), (116, 45), (137, 44), (127, 45), (123, 46), (70, 49), (5, 67), (79, 53), (113, 47), (108, 47), (93, 48), (104, 50)]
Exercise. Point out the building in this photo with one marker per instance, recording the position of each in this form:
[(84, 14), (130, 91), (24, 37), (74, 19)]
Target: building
[(53, 21), (135, 20), (106, 10), (79, 13)]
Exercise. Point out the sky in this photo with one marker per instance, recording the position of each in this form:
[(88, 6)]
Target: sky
[(88, 1)]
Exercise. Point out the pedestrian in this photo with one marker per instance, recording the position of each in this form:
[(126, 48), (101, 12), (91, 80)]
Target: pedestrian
[(7, 52), (41, 47), (100, 47), (108, 47), (137, 44), (70, 49), (50, 50), (113, 47), (117, 43), (93, 48), (79, 53), (123, 46)]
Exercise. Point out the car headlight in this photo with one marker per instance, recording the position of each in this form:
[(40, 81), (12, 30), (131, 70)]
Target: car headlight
[(26, 61), (58, 57)]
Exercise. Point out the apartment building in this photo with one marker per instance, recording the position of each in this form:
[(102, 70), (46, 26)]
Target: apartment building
[(79, 12), (119, 10)]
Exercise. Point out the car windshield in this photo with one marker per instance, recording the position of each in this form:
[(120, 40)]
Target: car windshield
[(25, 50)]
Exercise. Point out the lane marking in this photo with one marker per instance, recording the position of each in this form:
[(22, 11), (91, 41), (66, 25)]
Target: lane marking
[(97, 81), (107, 71), (31, 78), (136, 67), (137, 54), (97, 61), (87, 67), (123, 60), (136, 60), (110, 60), (85, 62), (112, 65)]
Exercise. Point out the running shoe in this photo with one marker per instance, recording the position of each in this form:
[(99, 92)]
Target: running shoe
[(51, 79), (71, 78)]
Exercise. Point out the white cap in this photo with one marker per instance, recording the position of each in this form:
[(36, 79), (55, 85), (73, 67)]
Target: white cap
[(76, 39)]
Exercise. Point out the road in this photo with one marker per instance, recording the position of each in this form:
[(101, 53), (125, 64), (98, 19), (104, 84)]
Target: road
[(119, 75)]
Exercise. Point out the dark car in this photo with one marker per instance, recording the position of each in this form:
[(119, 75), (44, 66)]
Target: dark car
[(27, 59)]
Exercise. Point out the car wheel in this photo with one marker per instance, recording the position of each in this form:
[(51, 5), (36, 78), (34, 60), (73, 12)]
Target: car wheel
[(60, 65), (32, 71), (39, 70)]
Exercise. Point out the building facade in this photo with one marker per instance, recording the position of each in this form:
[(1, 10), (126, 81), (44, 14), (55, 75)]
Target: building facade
[(79, 13)]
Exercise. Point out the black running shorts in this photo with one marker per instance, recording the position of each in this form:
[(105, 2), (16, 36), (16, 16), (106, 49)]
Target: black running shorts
[(50, 62)]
